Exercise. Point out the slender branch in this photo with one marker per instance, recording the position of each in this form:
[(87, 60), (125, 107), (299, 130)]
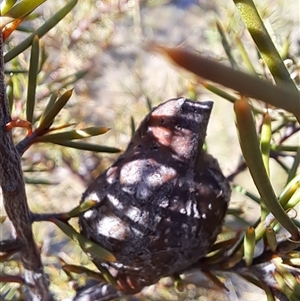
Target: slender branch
[(23, 145), (10, 245), (46, 217), (11, 278), (293, 130), (241, 167), (15, 202)]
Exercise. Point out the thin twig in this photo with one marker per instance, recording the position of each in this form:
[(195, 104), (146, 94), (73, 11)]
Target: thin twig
[(24, 144), (46, 217), (293, 130), (10, 245), (15, 201), (11, 278), (241, 167)]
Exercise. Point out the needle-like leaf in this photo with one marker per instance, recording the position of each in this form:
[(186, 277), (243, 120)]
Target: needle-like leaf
[(88, 146), (263, 41), (249, 245), (281, 95), (47, 26), (250, 148), (73, 134), (52, 109), (87, 245), (32, 78), (22, 8)]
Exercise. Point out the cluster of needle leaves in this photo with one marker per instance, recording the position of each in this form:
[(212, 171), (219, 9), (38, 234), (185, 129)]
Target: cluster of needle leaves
[(266, 107)]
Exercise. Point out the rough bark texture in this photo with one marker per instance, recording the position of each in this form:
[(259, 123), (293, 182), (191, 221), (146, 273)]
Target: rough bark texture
[(15, 202)]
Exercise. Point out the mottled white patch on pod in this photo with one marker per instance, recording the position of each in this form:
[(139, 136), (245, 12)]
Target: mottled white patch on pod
[(146, 176), (113, 227)]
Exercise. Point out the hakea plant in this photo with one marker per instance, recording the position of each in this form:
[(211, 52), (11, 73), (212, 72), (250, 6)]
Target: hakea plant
[(276, 270)]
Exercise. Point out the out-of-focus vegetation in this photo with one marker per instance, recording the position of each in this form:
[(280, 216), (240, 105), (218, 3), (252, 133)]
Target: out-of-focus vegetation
[(100, 49)]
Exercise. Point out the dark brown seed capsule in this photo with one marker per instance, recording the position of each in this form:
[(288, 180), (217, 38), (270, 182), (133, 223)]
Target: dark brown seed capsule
[(162, 203)]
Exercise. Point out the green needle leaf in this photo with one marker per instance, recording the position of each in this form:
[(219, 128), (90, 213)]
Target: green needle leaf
[(46, 111), (280, 96), (289, 191), (243, 191), (132, 125), (250, 148), (265, 140), (32, 78), (52, 109), (289, 278), (47, 26), (283, 287), (88, 146), (6, 5), (73, 134), (23, 8), (2, 219), (149, 103), (249, 245), (87, 245), (226, 45), (294, 200), (263, 41), (245, 56), (271, 239), (84, 206), (104, 276)]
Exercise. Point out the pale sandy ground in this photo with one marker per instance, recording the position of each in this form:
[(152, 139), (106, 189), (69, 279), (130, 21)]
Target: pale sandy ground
[(122, 75)]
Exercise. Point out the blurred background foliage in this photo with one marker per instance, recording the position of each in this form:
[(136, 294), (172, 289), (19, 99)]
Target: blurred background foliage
[(97, 48)]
